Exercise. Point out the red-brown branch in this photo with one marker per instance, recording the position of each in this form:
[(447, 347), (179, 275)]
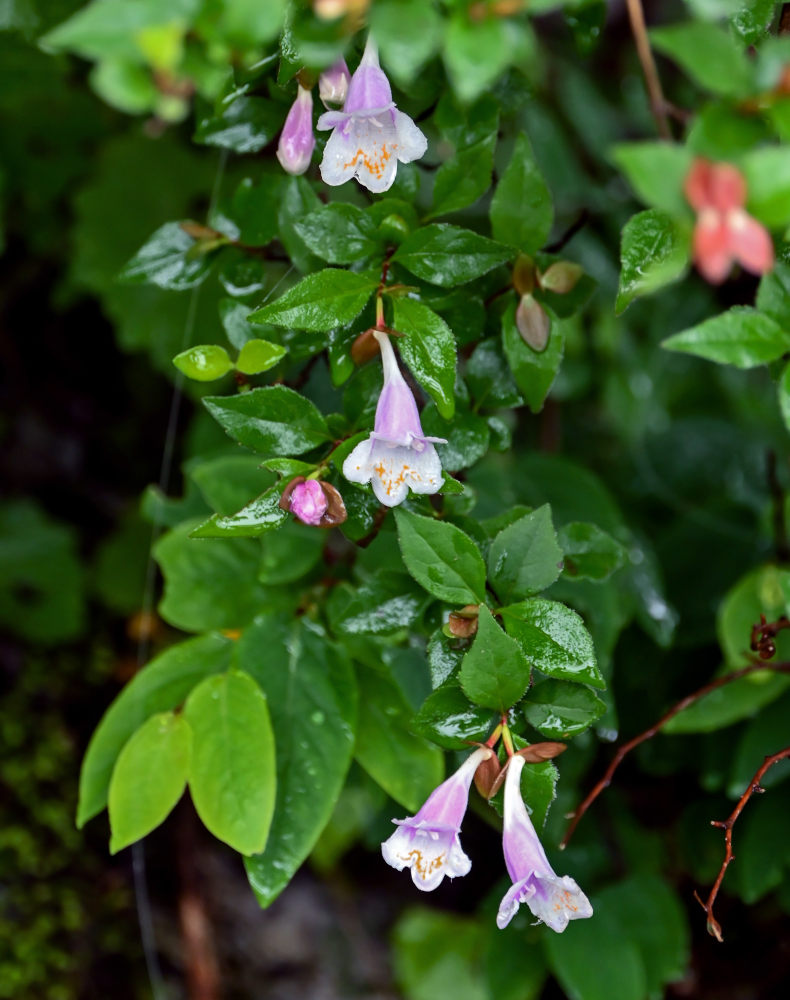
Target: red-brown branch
[(626, 748), (714, 927), (658, 104)]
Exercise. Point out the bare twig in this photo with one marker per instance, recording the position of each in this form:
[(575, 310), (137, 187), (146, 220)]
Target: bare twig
[(658, 104), (714, 927), (649, 733)]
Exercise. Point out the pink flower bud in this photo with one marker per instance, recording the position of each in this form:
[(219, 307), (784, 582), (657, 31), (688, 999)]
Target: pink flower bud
[(297, 141), (308, 502), (333, 83)]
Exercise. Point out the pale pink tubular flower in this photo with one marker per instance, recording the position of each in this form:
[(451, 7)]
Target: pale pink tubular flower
[(297, 142), (428, 843), (369, 135), (333, 83), (724, 231), (552, 898), (397, 456)]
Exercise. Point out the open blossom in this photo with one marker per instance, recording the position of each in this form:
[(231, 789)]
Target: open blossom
[(428, 843), (370, 134), (333, 83), (397, 456), (724, 231), (552, 898), (297, 141)]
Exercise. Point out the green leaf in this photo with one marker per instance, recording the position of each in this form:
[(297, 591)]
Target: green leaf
[(761, 842), (654, 252), (494, 673), (533, 371), (232, 779), (590, 553), (441, 558), (559, 709), (263, 514), (298, 201), (708, 53), (448, 255), (468, 436), (742, 336), (554, 640), (254, 208), (338, 233), (489, 378), (208, 583), (767, 173), (258, 356), (437, 956), (475, 53), (763, 591), (656, 171), (113, 28), (464, 178), (241, 124), (538, 786), (320, 301), (171, 258), (408, 33), (522, 212), (161, 685), (428, 349), (229, 480), (312, 696), (382, 605), (525, 558), (773, 293), (764, 735), (447, 718), (204, 363), (149, 777), (272, 420), (404, 765)]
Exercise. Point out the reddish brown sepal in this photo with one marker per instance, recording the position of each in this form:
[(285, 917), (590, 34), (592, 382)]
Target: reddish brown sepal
[(486, 776), (463, 624), (524, 274), (536, 753), (364, 348)]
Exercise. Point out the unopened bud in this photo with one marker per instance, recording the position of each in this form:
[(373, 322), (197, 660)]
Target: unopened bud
[(486, 776), (333, 83), (313, 502), (463, 624), (561, 277), (297, 142), (533, 323), (524, 274)]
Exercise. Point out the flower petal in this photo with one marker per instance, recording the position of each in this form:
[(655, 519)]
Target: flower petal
[(411, 143), (711, 244), (517, 894), (429, 854), (365, 148), (558, 900), (357, 467), (750, 242), (395, 470)]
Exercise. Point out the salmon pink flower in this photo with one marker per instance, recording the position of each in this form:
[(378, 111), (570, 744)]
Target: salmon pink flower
[(428, 843), (397, 456), (297, 141), (724, 231), (553, 899), (369, 135)]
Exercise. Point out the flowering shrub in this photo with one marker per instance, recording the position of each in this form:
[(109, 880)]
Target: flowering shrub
[(462, 490)]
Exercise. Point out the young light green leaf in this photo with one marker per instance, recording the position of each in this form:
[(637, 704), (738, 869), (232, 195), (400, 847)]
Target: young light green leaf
[(273, 420), (149, 777), (559, 709), (656, 171), (742, 336), (767, 173), (522, 212), (533, 371), (408, 33), (475, 53), (654, 252), (554, 640), (203, 363), (441, 558), (708, 53), (525, 558), (320, 301), (428, 349), (448, 255), (590, 553), (495, 673), (161, 685), (232, 778), (338, 233), (258, 356)]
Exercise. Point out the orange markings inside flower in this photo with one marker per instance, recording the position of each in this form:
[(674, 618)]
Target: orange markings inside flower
[(724, 232)]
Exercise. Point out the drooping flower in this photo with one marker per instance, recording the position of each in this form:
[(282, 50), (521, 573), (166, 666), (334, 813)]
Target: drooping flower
[(297, 141), (428, 843), (333, 83), (397, 456), (554, 899), (370, 134), (724, 231)]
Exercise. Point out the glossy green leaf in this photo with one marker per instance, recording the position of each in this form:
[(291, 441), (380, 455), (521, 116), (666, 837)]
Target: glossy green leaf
[(560, 710), (495, 672), (538, 787), (656, 171), (258, 356), (654, 252), (408, 33), (525, 558), (204, 363), (312, 697), (338, 233), (767, 173), (273, 420), (467, 435), (262, 514), (382, 605), (405, 766), (112, 28), (447, 718), (761, 841), (448, 255), (742, 336), (554, 640), (320, 301), (489, 378), (708, 54), (475, 53), (441, 558), (254, 208), (464, 178), (533, 371), (149, 777), (299, 200), (228, 481), (428, 348), (160, 686), (444, 657), (171, 258), (232, 778), (438, 956), (242, 124), (522, 212), (589, 552), (773, 293)]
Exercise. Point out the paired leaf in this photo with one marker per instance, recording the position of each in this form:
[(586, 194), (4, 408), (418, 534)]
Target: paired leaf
[(554, 640), (522, 211), (273, 420), (560, 710), (495, 672), (448, 255), (742, 336), (447, 718), (338, 233), (525, 558), (590, 553), (533, 371), (654, 252), (171, 258), (428, 349), (441, 558), (261, 515), (320, 301)]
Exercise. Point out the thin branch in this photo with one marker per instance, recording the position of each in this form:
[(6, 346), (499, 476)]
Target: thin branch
[(714, 927), (626, 748), (658, 104)]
